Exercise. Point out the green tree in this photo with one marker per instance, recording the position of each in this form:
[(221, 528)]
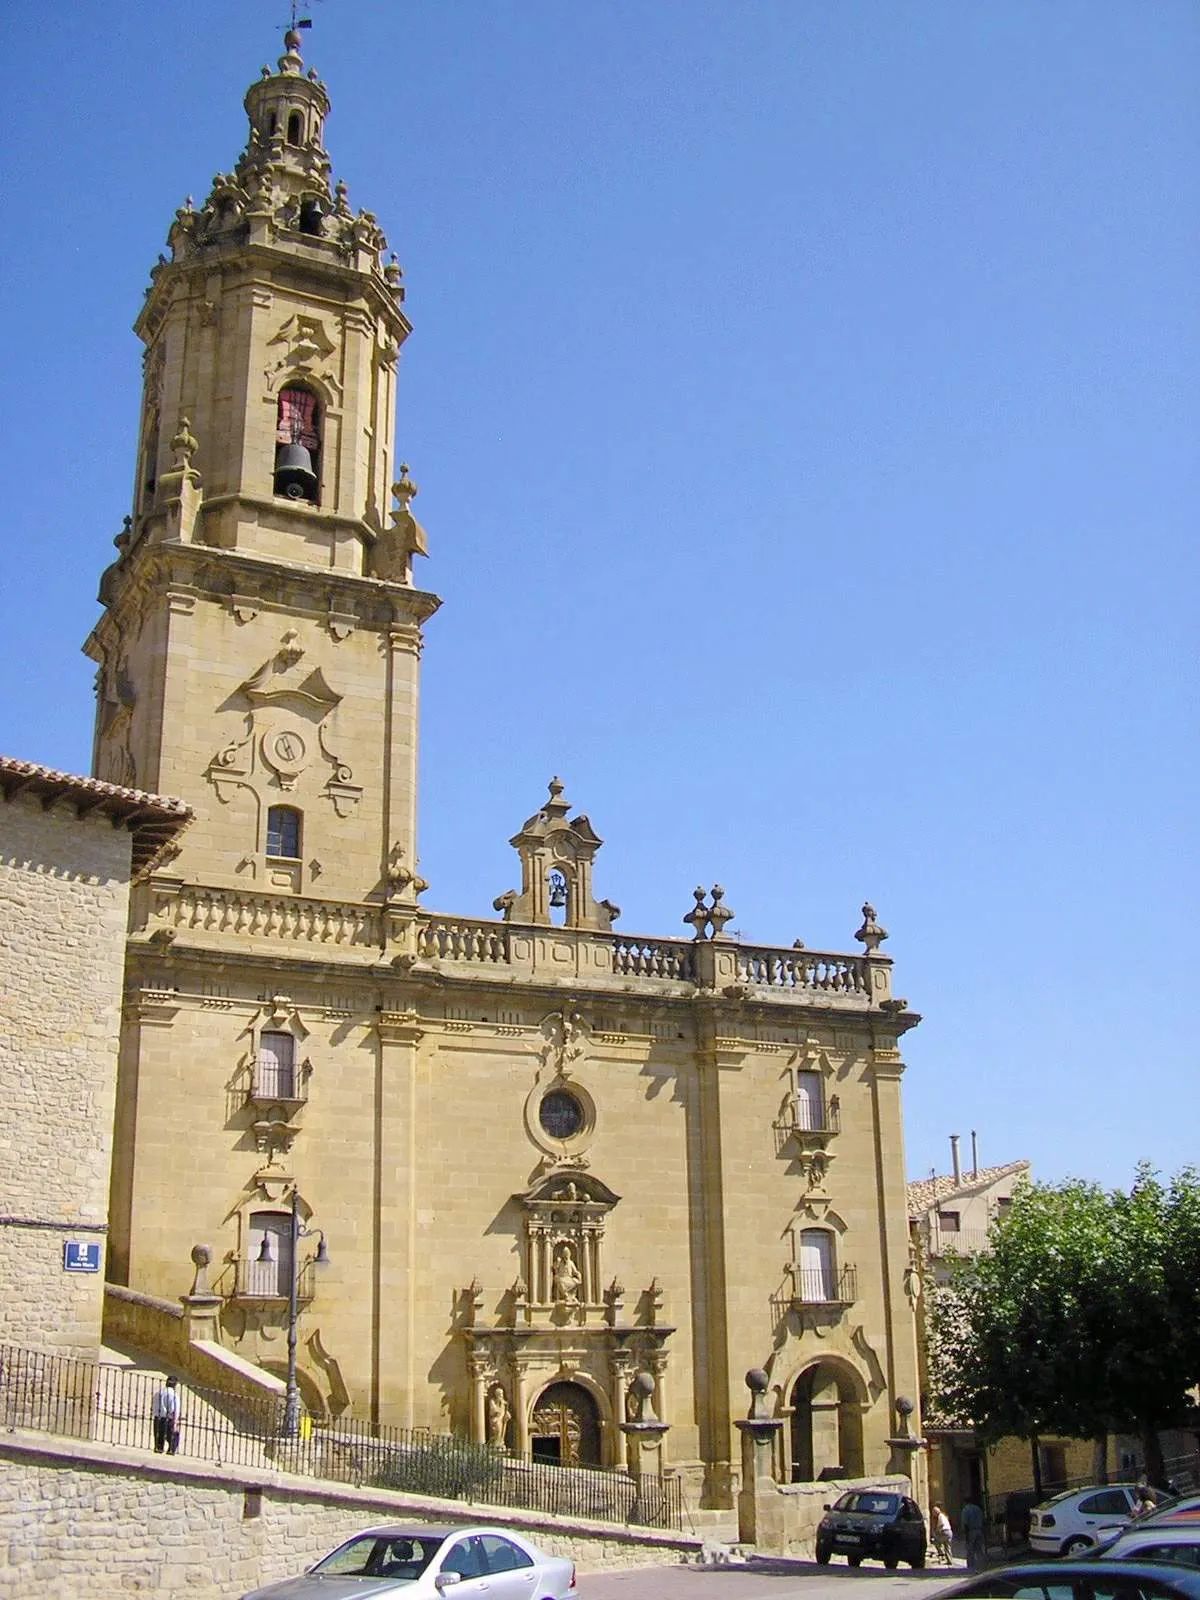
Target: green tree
[(1079, 1319)]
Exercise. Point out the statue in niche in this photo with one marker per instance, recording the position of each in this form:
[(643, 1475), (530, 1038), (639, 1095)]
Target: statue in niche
[(566, 1279), (498, 1413)]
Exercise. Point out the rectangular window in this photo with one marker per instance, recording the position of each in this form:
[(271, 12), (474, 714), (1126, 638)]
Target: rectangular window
[(283, 832), (810, 1102), (268, 1271), (949, 1221), (275, 1078), (816, 1266)]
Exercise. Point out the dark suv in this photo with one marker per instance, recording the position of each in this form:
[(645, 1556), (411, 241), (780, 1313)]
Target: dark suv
[(873, 1522)]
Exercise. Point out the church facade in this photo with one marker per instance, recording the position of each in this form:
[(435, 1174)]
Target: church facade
[(543, 1157)]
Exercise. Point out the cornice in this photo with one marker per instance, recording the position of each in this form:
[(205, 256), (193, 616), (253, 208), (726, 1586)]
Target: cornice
[(262, 263), (261, 581)]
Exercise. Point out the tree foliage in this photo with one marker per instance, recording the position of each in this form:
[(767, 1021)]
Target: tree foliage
[(1081, 1318)]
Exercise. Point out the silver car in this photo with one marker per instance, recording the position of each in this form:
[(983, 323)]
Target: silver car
[(423, 1563)]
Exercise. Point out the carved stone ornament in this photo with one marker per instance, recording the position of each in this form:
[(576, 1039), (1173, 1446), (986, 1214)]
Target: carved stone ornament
[(287, 730), (303, 347), (567, 1037), (565, 1213), (391, 556)]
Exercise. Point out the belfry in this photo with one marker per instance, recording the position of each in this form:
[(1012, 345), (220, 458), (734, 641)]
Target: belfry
[(569, 1179)]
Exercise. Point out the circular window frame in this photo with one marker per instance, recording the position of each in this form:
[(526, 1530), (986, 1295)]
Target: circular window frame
[(573, 1144)]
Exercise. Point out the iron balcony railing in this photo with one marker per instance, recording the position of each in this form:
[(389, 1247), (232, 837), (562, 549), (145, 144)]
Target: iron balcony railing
[(80, 1399), (268, 1280), (820, 1286)]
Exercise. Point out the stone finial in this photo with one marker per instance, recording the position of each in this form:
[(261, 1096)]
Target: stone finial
[(720, 913), (758, 1383), (185, 445), (201, 1260), (640, 1398), (291, 61), (870, 934), (404, 489), (698, 915), (556, 806)]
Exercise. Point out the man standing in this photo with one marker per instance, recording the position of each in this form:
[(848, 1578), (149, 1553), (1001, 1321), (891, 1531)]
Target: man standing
[(164, 1413), (972, 1530)]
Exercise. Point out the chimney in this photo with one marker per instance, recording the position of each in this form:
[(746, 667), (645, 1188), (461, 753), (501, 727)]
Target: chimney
[(974, 1154), (954, 1161)]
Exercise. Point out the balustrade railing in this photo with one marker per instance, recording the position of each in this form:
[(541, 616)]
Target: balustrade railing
[(460, 939), (654, 958), (802, 969), (283, 917)]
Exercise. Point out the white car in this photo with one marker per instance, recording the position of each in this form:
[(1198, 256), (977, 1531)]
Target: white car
[(1080, 1518), (424, 1563)]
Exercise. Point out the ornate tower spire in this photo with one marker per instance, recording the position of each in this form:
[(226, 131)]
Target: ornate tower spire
[(275, 325), (259, 649)]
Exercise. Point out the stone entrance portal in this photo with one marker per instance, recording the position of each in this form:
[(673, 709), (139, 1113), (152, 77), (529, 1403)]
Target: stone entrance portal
[(826, 1411), (565, 1427)]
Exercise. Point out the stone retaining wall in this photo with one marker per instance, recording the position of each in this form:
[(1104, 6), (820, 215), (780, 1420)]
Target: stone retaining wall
[(82, 1518)]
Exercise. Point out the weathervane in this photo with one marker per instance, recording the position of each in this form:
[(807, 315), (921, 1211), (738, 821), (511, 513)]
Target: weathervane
[(298, 21)]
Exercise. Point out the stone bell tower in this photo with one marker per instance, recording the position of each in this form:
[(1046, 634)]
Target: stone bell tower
[(260, 643)]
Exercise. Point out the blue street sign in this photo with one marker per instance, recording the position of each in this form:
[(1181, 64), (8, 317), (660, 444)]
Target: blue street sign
[(81, 1256)]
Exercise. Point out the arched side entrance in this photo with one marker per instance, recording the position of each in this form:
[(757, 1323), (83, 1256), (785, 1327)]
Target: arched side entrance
[(827, 1436), (564, 1428)]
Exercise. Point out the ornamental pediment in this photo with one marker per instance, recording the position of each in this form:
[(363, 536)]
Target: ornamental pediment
[(567, 1189), (285, 681)]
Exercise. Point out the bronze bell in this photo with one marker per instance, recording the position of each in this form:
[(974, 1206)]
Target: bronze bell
[(294, 475)]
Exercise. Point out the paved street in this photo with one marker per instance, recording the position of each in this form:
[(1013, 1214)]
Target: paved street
[(762, 1577)]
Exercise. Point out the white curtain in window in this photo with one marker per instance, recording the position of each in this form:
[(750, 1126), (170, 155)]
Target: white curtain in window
[(816, 1265), (276, 1063), (810, 1101), (269, 1271)]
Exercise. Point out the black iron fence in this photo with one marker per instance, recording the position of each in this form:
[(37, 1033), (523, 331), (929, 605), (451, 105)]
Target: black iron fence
[(113, 1405)]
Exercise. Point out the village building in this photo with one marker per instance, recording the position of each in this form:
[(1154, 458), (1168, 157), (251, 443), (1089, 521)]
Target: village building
[(561, 1175), (69, 849)]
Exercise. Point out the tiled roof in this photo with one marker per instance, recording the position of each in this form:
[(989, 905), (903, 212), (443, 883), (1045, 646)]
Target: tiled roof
[(153, 819), (928, 1192)]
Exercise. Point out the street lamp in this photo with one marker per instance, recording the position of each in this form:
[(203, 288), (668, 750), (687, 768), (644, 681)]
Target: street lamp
[(291, 1413)]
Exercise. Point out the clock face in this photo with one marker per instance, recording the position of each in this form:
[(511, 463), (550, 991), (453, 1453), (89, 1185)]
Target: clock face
[(285, 750)]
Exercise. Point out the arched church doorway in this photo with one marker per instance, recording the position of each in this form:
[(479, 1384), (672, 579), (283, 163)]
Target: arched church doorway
[(826, 1407), (565, 1427)]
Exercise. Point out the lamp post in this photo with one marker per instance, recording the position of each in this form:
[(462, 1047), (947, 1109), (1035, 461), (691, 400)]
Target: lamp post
[(291, 1413)]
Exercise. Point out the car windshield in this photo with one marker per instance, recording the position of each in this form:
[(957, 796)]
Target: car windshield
[(380, 1555), (877, 1505)]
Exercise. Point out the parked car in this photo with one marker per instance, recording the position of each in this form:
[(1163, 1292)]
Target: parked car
[(1153, 1541), (1080, 1518), (872, 1522), (425, 1563), (1092, 1579)]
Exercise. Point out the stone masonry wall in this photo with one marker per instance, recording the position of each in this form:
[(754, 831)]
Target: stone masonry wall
[(110, 1523), (64, 892)]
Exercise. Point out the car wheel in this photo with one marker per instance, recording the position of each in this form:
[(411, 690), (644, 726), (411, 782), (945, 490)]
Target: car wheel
[(1074, 1546), (822, 1556), (855, 1561), (917, 1562), (891, 1562)]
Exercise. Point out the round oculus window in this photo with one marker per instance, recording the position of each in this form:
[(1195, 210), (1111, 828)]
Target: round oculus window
[(561, 1114)]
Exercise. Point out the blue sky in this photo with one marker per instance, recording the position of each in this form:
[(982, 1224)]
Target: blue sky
[(804, 402)]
